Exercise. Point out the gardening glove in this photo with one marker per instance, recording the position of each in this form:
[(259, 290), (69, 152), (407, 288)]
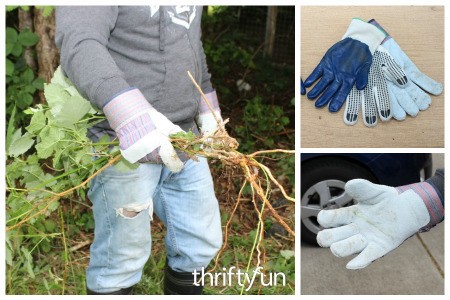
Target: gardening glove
[(345, 64), (380, 221), (142, 131), (412, 98), (205, 117), (375, 96)]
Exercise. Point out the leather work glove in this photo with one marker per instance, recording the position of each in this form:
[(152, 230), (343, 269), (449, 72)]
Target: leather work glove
[(142, 131), (381, 220), (412, 98), (205, 117), (375, 96), (345, 64)]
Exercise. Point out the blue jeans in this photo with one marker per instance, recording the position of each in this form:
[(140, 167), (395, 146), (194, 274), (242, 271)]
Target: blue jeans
[(123, 204)]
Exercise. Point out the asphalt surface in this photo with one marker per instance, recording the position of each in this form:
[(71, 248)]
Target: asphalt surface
[(414, 268)]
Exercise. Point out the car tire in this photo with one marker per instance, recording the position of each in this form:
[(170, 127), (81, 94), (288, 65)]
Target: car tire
[(322, 187)]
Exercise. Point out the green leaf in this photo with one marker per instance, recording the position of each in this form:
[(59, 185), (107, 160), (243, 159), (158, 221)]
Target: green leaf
[(50, 225), (124, 166), (11, 35), (24, 99), (72, 111), (8, 48), (17, 50), (11, 128), (11, 7), (59, 78), (27, 76), (38, 121), (21, 145), (38, 83), (56, 96), (287, 254), (9, 67), (28, 261), (50, 137), (46, 10), (27, 38)]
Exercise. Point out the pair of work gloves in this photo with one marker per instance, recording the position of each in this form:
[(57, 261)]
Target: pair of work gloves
[(382, 218), (368, 69), (144, 133)]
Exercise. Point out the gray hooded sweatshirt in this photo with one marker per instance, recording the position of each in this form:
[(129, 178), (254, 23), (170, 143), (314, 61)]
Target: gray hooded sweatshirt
[(106, 50)]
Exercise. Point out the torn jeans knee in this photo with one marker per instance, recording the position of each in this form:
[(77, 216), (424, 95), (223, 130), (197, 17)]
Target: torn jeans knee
[(133, 210)]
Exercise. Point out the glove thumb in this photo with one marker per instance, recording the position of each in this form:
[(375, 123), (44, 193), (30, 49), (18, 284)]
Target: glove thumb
[(169, 157)]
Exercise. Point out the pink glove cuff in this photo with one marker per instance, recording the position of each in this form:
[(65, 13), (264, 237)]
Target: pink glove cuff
[(431, 200), (126, 107), (213, 102)]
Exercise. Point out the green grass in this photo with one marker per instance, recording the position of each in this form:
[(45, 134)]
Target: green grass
[(50, 274)]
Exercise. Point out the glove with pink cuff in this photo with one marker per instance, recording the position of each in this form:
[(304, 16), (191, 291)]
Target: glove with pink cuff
[(142, 131), (381, 220), (205, 117)]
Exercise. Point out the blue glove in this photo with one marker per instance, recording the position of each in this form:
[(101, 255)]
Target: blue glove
[(302, 87), (345, 64)]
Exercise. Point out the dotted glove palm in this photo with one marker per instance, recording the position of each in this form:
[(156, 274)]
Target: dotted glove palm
[(412, 97), (375, 96)]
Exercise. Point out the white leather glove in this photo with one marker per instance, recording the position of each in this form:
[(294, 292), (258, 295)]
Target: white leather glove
[(142, 131), (380, 221), (205, 117)]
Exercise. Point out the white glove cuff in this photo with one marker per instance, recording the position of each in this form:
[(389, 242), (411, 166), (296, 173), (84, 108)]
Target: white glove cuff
[(365, 33), (143, 146)]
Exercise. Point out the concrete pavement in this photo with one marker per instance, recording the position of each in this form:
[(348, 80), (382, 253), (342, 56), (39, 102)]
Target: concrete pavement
[(414, 268)]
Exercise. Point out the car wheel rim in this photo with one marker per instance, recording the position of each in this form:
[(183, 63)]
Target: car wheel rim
[(327, 194)]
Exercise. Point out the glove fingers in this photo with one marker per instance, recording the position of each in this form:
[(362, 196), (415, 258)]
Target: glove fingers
[(405, 101), (328, 237), (366, 257), (390, 69), (340, 97), (364, 191), (302, 87), (352, 106), (420, 98), (352, 245), (422, 80), (326, 97), (368, 106), (169, 157), (320, 87), (316, 74), (336, 217), (397, 111)]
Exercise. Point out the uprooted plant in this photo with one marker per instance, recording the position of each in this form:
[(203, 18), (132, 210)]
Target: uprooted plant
[(64, 160)]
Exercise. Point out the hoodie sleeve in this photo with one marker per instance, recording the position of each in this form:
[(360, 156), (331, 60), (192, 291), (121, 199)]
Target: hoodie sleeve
[(82, 34)]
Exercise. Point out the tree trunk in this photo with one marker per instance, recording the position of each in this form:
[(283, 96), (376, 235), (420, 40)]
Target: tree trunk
[(46, 50), (271, 25), (26, 21)]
